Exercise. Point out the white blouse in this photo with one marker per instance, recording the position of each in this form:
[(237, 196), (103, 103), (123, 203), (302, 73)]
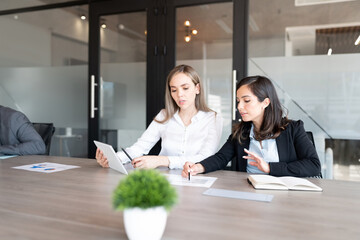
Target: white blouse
[(180, 143)]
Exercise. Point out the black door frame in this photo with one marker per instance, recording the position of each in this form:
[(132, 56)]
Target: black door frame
[(96, 10)]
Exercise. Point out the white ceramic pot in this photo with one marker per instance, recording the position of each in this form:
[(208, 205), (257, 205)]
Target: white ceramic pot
[(146, 224)]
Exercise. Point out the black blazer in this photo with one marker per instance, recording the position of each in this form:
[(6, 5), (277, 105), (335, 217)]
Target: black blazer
[(297, 154)]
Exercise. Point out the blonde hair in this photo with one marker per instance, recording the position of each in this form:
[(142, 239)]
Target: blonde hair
[(170, 105)]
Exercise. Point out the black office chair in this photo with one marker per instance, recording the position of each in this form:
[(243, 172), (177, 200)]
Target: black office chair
[(311, 137), (46, 131)]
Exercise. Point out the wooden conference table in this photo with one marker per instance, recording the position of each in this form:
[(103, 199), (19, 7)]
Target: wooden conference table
[(76, 204)]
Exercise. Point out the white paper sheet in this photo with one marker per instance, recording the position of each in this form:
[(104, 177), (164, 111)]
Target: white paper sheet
[(46, 167), (239, 195), (195, 181)]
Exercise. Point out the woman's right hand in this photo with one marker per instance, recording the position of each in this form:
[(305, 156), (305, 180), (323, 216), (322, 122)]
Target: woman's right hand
[(101, 159), (194, 169)]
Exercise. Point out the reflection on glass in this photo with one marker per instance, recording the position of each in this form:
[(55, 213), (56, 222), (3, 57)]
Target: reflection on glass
[(310, 54), (43, 73), (204, 41), (12, 4), (123, 84)]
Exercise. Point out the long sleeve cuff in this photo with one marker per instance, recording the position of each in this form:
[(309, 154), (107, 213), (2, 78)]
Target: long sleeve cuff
[(175, 162), (124, 159)]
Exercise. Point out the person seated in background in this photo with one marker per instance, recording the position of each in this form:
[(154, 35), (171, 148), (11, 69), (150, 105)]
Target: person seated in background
[(17, 134), (188, 128), (264, 141)]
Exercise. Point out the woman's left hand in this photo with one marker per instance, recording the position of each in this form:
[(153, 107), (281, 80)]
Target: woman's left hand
[(150, 161), (258, 161)]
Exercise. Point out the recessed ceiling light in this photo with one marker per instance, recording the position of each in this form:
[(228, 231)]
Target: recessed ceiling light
[(357, 42), (329, 52), (121, 26), (299, 3)]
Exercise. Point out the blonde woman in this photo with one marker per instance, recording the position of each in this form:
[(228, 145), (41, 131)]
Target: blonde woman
[(189, 130)]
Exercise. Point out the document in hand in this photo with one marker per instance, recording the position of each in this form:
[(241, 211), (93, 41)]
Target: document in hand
[(282, 183)]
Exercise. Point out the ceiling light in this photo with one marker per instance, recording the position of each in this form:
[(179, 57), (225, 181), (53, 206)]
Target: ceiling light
[(127, 30), (253, 25), (188, 31), (299, 3), (83, 17), (329, 52), (103, 23), (357, 42), (121, 26)]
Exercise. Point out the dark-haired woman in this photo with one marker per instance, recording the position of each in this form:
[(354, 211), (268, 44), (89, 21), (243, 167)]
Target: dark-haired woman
[(264, 141)]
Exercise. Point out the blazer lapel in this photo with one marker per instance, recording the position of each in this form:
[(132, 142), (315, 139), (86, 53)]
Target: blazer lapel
[(281, 144), (242, 162)]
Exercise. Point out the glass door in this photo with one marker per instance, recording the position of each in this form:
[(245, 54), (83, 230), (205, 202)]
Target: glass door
[(117, 72), (122, 106), (208, 37), (43, 72)]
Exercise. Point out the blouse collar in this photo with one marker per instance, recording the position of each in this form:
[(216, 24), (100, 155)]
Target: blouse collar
[(197, 117)]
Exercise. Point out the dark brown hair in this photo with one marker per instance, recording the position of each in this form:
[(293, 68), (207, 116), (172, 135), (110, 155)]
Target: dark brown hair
[(273, 122)]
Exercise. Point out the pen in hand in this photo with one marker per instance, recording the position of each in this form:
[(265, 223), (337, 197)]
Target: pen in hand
[(126, 154), (189, 169)]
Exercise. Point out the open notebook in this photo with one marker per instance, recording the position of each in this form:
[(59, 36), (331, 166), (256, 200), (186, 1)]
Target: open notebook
[(282, 183)]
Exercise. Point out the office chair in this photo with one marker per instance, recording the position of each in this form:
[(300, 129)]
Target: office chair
[(46, 131), (311, 137)]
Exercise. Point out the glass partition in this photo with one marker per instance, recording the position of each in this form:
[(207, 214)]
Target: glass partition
[(43, 72), (204, 40), (13, 4), (311, 52), (123, 78)]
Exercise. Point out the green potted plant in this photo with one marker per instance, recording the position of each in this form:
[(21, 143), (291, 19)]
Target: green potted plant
[(145, 196)]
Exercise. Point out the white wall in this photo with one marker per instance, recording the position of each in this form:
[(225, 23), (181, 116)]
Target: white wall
[(15, 48)]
